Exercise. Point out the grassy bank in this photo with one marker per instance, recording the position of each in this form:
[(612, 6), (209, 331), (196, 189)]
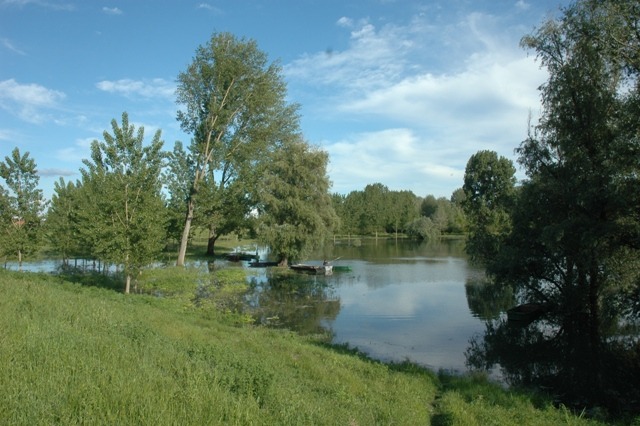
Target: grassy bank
[(72, 353)]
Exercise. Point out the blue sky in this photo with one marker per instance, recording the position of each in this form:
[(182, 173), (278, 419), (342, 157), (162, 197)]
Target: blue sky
[(399, 92)]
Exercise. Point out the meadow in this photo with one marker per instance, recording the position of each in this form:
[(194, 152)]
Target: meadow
[(75, 351)]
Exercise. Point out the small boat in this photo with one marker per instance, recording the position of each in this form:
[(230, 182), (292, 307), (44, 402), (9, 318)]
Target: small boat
[(527, 312), (262, 264), (313, 269), (237, 256)]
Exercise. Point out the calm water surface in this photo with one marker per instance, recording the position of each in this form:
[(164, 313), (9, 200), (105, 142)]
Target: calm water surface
[(401, 301)]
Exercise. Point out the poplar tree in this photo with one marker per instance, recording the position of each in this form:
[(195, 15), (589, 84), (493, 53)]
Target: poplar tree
[(22, 206), (125, 215)]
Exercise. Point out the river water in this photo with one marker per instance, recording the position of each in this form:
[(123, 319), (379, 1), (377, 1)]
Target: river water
[(400, 301)]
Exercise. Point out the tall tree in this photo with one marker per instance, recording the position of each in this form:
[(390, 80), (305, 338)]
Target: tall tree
[(121, 181), (489, 188), (234, 105), (296, 213), (62, 221), (24, 205), (575, 238), (576, 223)]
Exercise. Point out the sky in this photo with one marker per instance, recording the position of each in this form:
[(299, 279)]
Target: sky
[(398, 92)]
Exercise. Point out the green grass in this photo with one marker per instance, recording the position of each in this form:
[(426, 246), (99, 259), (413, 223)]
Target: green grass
[(77, 354)]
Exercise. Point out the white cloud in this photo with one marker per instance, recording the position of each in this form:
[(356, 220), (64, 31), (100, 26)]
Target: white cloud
[(398, 158), (428, 122), (28, 100), (112, 10), (522, 5), (209, 7), (41, 3), (372, 59), (345, 22), (155, 88), (9, 45)]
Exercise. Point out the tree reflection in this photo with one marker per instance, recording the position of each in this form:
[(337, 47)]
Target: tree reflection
[(554, 354), (487, 300), (295, 301)]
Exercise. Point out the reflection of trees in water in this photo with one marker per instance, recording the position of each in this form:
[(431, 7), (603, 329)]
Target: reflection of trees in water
[(295, 301), (555, 354), (386, 248), (487, 300)]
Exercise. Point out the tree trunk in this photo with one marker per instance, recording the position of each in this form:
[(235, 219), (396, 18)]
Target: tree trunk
[(211, 242), (20, 260), (185, 233), (127, 286)]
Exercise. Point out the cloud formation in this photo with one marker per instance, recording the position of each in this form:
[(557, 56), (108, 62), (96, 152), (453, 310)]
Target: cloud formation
[(112, 10), (9, 46), (428, 122), (41, 3), (154, 88), (28, 101)]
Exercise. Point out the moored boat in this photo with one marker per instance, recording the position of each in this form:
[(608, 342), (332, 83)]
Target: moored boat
[(262, 264), (237, 256), (313, 269), (527, 312)]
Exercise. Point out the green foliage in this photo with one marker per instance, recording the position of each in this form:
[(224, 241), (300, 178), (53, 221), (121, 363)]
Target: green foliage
[(235, 107), (21, 208), (581, 160), (376, 209), (176, 177), (62, 225), (572, 235), (489, 188), (423, 228), (124, 216), (295, 214)]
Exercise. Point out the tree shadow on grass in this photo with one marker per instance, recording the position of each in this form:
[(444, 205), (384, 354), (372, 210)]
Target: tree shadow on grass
[(108, 281)]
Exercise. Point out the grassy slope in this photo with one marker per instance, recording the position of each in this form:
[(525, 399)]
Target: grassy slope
[(75, 354)]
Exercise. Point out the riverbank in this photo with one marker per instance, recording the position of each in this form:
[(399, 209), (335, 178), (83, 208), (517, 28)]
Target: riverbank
[(80, 352)]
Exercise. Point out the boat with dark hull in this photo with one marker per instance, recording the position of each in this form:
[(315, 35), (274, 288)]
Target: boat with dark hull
[(313, 269)]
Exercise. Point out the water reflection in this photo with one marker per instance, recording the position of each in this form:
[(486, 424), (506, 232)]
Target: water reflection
[(296, 301), (557, 354), (400, 301)]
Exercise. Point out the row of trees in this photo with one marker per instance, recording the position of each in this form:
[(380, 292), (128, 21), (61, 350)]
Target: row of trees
[(569, 235), (376, 209)]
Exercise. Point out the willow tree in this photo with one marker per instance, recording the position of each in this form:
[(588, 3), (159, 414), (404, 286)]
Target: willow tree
[(124, 218), (234, 106), (295, 211)]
